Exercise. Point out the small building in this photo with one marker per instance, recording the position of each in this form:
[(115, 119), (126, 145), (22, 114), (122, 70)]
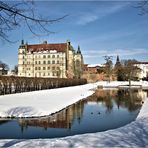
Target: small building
[(143, 69), (92, 68)]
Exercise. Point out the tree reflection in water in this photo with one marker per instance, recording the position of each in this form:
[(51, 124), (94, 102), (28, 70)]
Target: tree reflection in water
[(125, 98), (100, 112)]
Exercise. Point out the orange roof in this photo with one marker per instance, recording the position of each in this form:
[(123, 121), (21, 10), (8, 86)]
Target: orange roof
[(141, 63), (59, 47)]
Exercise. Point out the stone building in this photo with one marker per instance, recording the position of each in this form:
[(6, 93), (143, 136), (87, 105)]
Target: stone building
[(49, 60), (143, 69)]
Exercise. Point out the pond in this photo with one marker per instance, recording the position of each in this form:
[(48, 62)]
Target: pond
[(104, 110)]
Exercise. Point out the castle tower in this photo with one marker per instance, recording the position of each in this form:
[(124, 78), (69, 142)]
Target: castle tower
[(78, 63), (21, 59)]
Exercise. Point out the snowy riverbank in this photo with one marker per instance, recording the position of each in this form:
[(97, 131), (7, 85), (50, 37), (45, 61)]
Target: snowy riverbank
[(44, 102), (134, 134), (123, 84)]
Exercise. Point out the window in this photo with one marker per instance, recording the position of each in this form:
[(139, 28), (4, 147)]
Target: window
[(57, 62), (48, 56), (39, 62), (48, 74), (53, 56), (39, 68), (57, 56), (48, 62), (53, 68), (53, 62), (44, 68), (44, 62), (48, 68), (44, 56), (35, 68), (35, 62), (43, 74)]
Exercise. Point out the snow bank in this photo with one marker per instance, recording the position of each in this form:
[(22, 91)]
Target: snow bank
[(114, 84), (41, 103), (134, 135)]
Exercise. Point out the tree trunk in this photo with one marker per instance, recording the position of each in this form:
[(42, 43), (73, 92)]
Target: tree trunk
[(129, 80)]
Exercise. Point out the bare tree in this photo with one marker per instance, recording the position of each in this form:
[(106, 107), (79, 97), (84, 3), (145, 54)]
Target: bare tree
[(15, 70), (130, 70), (4, 66), (14, 14), (108, 67), (142, 6)]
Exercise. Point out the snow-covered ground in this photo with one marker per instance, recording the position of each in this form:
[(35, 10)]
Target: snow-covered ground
[(41, 103), (45, 102), (112, 84), (134, 134)]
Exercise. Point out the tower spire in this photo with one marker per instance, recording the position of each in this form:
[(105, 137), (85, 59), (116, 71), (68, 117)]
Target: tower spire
[(117, 61), (79, 51)]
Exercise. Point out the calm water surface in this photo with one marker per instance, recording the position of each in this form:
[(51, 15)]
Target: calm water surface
[(106, 109)]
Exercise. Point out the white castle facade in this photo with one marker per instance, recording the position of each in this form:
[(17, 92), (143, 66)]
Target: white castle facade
[(49, 60)]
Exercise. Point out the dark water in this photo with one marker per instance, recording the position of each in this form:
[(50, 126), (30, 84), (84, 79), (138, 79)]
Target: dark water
[(106, 109)]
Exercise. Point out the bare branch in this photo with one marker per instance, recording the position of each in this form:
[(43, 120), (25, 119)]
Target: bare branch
[(13, 15)]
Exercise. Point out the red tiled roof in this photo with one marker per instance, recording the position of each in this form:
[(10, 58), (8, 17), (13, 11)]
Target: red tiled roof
[(60, 47), (141, 63)]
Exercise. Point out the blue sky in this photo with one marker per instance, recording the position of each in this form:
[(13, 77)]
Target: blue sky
[(99, 27)]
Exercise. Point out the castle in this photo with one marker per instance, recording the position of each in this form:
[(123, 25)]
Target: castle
[(49, 60)]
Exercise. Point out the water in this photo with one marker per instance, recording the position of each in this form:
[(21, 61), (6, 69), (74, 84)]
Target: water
[(106, 109)]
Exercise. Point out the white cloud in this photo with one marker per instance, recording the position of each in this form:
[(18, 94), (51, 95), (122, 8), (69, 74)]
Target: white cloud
[(87, 18), (99, 12), (122, 52)]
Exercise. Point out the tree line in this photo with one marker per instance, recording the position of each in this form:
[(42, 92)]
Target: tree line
[(125, 70), (14, 84)]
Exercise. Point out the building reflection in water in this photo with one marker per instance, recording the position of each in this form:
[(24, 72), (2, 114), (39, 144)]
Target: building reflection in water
[(62, 119), (130, 99)]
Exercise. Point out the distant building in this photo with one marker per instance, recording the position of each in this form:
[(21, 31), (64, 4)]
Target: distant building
[(3, 71), (144, 69), (92, 68), (49, 60)]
